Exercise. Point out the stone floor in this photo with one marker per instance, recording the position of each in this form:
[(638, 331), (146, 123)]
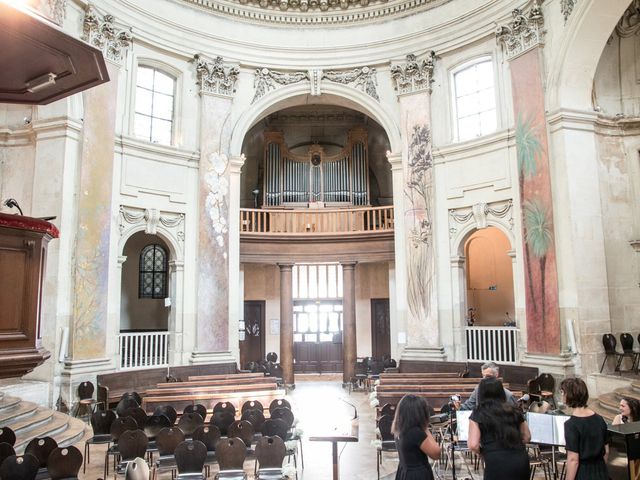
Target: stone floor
[(322, 405)]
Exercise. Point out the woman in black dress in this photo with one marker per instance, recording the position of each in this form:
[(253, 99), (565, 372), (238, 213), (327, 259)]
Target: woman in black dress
[(585, 434), (414, 442), (498, 431)]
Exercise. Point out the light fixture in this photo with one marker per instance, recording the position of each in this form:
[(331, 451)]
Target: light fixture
[(41, 82)]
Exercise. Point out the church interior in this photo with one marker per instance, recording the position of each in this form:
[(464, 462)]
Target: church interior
[(317, 206)]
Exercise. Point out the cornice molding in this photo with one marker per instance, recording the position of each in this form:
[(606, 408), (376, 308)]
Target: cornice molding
[(101, 32), (523, 33), (414, 76)]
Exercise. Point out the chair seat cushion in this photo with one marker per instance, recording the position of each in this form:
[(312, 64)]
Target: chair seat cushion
[(231, 475), (269, 474), (101, 438), (190, 476)]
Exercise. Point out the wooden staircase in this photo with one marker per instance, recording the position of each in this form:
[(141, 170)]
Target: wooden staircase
[(29, 420), (607, 404)]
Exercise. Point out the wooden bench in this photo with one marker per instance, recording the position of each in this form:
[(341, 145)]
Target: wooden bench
[(204, 390), (212, 383), (235, 376)]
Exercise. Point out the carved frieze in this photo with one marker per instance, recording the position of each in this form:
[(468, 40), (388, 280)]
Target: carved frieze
[(306, 5), (151, 219), (267, 80), (363, 78), (566, 7), (629, 23), (100, 31), (525, 31), (414, 76), (478, 216), (214, 77)]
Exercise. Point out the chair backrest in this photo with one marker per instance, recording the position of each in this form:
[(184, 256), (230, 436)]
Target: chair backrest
[(231, 453), (64, 463), (533, 386), (243, 430), (270, 452), (101, 421), (376, 367), (279, 403), (154, 424), (384, 424), (85, 390), (547, 382), (223, 421), (126, 403), (274, 370), (135, 395), (189, 422), (224, 407), (284, 414), (609, 343), (190, 456), (539, 407), (252, 405), (255, 418), (132, 444), (137, 469), (272, 357), (199, 409), (209, 435), (20, 467), (168, 439), (388, 409), (168, 411), (41, 447), (7, 436), (6, 450), (121, 425), (626, 340), (275, 427), (138, 414)]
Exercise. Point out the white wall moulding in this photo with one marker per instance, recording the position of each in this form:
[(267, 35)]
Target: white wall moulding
[(171, 224), (524, 32), (101, 32), (362, 78), (215, 77), (464, 220), (414, 76)]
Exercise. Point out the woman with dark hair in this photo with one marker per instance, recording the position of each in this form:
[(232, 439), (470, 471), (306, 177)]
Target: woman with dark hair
[(498, 431), (585, 434), (629, 411), (414, 442)]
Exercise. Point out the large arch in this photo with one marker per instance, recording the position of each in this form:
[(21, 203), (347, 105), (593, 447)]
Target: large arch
[(574, 64)]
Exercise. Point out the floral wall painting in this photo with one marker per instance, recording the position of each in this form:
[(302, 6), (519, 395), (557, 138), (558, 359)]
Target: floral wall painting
[(541, 279), (216, 201)]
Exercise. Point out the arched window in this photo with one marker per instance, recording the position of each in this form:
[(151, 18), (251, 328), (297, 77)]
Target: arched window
[(475, 100), (154, 105), (153, 272)]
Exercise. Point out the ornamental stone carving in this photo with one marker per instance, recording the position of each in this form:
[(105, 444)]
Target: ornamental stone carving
[(56, 10), (363, 78), (316, 79), (215, 78), (267, 80), (524, 32), (629, 23), (151, 219), (306, 5), (414, 76), (566, 7), (102, 33), (478, 216)]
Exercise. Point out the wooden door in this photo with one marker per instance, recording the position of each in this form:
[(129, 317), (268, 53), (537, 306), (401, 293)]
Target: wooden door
[(380, 336), (252, 347)]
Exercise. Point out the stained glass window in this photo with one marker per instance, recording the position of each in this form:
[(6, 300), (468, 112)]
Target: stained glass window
[(153, 272)]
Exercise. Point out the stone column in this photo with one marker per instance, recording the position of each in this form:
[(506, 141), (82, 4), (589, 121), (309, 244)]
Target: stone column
[(236, 288), (213, 308), (413, 84), (286, 323), (459, 294), (349, 339), (176, 316)]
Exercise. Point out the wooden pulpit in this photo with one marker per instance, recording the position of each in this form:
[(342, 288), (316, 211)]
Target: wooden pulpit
[(624, 451)]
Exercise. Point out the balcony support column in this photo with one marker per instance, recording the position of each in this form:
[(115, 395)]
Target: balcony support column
[(349, 340), (286, 324)]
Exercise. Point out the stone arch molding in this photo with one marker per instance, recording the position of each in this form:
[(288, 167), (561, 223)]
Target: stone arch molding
[(167, 225), (298, 94), (465, 220)]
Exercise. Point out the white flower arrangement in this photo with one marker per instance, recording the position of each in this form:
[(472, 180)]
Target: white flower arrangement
[(298, 432), (291, 444), (289, 471), (378, 432), (376, 443), (373, 395), (374, 403), (377, 382)]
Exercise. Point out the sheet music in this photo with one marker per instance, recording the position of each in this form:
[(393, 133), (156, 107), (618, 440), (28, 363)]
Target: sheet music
[(547, 429), (462, 418), (559, 426)]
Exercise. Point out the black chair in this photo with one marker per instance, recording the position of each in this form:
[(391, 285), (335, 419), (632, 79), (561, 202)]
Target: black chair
[(189, 422), (7, 436), (131, 444), (135, 395), (609, 343), (388, 443), (168, 411), (154, 424), (137, 469), (244, 431), (224, 407), (199, 409), (272, 357), (101, 422), (19, 467), (210, 436), (86, 401), (223, 421), (138, 414), (278, 427), (270, 453), (167, 441), (285, 415), (64, 463), (255, 418), (6, 451), (388, 409), (41, 447), (542, 388), (626, 341), (279, 403), (231, 453), (190, 458), (252, 405), (126, 402), (118, 427)]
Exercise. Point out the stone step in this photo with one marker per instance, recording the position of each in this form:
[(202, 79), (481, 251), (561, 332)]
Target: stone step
[(77, 432), (54, 428), (627, 392), (604, 412), (7, 402), (635, 386), (609, 401), (18, 411), (27, 422)]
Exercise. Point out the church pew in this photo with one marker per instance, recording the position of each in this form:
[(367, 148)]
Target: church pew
[(111, 386), (211, 383), (435, 399), (425, 375), (178, 389), (225, 377), (428, 381)]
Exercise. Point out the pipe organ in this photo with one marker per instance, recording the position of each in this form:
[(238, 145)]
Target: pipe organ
[(316, 177)]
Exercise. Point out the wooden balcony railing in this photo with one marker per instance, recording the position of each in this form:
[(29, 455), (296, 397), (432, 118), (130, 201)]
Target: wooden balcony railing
[(316, 221)]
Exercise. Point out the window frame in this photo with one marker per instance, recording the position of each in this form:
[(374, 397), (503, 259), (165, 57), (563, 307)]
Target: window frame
[(142, 272)]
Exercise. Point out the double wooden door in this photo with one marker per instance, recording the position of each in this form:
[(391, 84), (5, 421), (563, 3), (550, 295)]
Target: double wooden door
[(252, 347)]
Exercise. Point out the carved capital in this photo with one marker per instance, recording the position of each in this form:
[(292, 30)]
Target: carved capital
[(524, 32), (216, 78), (566, 7), (267, 80), (362, 78), (100, 31), (414, 76)]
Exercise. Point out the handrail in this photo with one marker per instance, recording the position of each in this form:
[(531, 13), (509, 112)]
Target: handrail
[(316, 221), (143, 349), (496, 344)]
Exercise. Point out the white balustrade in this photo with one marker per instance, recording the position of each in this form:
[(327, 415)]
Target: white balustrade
[(143, 349), (492, 344)]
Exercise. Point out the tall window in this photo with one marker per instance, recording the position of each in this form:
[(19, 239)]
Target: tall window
[(154, 105), (475, 100), (153, 272)]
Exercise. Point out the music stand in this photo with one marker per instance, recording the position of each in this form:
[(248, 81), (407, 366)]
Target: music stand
[(344, 433)]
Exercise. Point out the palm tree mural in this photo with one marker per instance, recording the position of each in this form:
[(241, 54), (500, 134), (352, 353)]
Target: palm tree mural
[(538, 238)]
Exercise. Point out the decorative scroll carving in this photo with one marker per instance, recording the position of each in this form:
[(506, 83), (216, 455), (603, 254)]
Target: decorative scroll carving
[(214, 77), (363, 78), (629, 23), (151, 218), (524, 31), (104, 35), (479, 215), (566, 7), (414, 76), (57, 10), (266, 80)]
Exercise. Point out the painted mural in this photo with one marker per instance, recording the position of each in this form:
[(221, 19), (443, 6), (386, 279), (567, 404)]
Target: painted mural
[(541, 278)]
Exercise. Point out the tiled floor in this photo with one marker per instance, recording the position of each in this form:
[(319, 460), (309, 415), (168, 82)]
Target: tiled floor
[(321, 406)]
